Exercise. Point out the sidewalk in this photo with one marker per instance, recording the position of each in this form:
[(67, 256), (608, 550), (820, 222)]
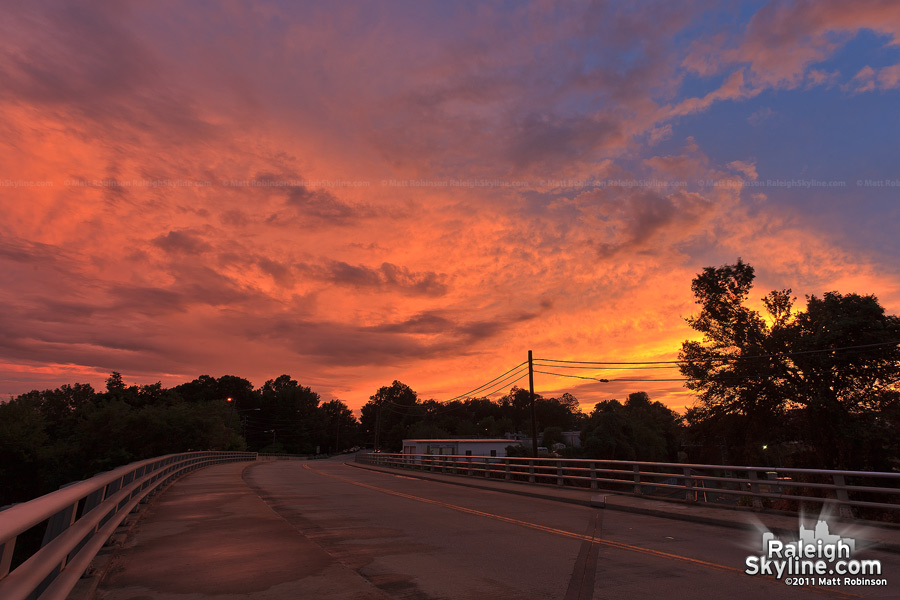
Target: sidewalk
[(885, 537), (231, 545)]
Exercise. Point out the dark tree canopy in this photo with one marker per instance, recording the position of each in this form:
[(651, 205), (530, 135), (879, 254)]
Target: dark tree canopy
[(638, 430), (396, 413), (52, 437), (824, 378)]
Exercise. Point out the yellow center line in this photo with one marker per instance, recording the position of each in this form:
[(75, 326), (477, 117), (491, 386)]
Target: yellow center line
[(569, 534)]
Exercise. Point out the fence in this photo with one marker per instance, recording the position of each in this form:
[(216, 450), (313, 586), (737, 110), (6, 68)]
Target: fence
[(80, 518), (756, 486)]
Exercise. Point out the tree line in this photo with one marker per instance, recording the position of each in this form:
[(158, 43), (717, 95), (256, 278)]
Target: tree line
[(52, 437), (639, 429)]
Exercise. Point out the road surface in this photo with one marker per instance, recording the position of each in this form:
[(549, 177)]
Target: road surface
[(323, 529)]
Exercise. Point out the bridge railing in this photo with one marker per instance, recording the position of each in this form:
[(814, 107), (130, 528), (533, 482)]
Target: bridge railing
[(760, 487), (79, 519)]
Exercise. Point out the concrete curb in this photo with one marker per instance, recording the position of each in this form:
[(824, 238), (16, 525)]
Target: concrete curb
[(89, 583), (87, 586)]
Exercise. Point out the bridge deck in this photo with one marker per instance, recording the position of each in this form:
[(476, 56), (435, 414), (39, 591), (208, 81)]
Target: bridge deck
[(320, 529)]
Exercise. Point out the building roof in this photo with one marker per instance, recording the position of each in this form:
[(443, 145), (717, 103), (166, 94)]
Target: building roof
[(468, 441)]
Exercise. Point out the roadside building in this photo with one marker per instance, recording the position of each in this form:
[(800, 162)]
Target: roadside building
[(457, 447)]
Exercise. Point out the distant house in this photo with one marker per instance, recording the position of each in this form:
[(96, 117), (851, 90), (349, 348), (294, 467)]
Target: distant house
[(475, 447), (572, 438)]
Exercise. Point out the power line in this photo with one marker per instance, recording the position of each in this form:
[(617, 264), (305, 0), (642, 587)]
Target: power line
[(595, 368), (520, 372), (631, 380), (524, 373), (484, 385), (643, 380), (723, 358), (572, 376)]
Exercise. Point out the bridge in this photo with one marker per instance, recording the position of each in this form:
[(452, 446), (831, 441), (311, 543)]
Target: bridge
[(390, 526)]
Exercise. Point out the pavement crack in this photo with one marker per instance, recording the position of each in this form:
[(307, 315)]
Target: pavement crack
[(581, 584)]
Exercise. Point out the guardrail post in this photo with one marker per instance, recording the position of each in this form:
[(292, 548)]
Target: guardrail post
[(845, 510), (559, 473), (508, 474), (59, 523), (593, 475), (637, 479), (754, 488), (6, 554), (531, 471), (689, 494), (487, 468), (469, 466)]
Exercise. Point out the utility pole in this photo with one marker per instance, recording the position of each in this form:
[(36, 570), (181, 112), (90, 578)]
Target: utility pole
[(534, 443), (377, 426)]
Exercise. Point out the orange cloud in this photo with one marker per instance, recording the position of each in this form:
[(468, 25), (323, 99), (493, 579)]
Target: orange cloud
[(357, 196)]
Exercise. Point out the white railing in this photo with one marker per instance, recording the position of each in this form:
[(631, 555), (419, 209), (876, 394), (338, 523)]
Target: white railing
[(720, 484), (79, 519)]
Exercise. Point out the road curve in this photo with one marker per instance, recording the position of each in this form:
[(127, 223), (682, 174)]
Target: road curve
[(323, 529)]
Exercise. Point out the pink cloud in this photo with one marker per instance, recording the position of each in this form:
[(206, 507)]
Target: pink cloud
[(784, 41), (869, 79)]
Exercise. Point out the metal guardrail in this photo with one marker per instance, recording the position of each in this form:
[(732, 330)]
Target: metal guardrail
[(721, 484), (80, 517)]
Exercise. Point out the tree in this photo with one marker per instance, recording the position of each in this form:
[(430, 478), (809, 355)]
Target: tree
[(341, 429), (389, 414), (206, 389), (818, 376), (637, 430), (23, 448), (289, 419)]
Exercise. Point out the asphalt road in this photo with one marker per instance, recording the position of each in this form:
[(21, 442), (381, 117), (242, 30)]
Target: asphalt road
[(418, 539), (382, 535)]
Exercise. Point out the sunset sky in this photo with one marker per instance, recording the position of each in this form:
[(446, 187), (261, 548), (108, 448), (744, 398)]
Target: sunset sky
[(357, 192)]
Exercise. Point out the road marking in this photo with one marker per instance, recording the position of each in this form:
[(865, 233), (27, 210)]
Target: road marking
[(569, 534)]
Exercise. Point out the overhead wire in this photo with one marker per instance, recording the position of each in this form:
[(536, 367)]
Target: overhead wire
[(485, 390), (723, 358), (484, 385), (572, 376), (604, 380), (522, 374), (537, 363), (520, 371)]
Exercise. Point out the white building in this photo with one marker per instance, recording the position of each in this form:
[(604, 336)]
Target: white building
[(484, 447)]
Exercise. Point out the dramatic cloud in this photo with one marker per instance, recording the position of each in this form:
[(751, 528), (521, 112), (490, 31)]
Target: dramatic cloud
[(360, 193)]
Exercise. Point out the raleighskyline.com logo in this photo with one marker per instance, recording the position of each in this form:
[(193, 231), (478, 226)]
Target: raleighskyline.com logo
[(816, 558)]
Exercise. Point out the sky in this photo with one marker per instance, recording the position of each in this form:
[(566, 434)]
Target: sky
[(354, 193)]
